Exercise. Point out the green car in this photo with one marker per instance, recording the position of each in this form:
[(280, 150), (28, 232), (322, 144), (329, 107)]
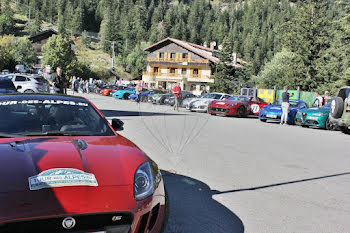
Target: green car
[(315, 117)]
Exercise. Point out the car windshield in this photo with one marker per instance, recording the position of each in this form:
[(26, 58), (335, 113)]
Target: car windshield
[(40, 79), (291, 103), (239, 98), (36, 117), (6, 84), (211, 96)]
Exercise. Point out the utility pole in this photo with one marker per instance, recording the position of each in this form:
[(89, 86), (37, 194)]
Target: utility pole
[(113, 54)]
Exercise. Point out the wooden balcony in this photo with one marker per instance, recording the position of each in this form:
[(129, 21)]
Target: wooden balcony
[(189, 78), (177, 60)]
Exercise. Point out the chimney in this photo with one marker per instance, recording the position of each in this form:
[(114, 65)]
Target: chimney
[(212, 45), (234, 58)]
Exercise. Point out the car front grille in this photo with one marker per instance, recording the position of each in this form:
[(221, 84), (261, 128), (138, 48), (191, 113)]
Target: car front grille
[(223, 110), (110, 222)]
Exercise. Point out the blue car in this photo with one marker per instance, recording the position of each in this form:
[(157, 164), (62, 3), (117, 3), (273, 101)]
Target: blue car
[(124, 94), (273, 112)]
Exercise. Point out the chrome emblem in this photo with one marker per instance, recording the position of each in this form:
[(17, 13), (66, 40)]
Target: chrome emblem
[(116, 218), (68, 223)]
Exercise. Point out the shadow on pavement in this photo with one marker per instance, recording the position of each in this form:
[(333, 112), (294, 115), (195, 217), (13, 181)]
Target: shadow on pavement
[(280, 184), (193, 210), (115, 113)]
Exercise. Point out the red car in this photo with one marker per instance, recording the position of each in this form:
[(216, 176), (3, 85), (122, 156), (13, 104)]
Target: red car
[(237, 106), (63, 168), (107, 91)]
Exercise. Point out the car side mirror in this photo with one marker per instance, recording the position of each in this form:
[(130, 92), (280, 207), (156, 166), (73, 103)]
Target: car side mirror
[(117, 124), (18, 88)]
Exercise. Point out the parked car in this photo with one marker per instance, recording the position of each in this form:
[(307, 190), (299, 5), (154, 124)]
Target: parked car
[(124, 94), (159, 99), (146, 94), (314, 117), (184, 95), (68, 170), (154, 95), (273, 112), (107, 91), (340, 110), (30, 83), (201, 104), (6, 86)]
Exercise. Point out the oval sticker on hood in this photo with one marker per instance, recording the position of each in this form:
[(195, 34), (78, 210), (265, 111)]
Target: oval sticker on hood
[(61, 177)]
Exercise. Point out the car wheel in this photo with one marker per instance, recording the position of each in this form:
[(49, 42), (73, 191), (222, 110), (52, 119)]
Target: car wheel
[(328, 125), (241, 111), (263, 120), (29, 91), (126, 96), (166, 211), (337, 107), (212, 114), (345, 130)]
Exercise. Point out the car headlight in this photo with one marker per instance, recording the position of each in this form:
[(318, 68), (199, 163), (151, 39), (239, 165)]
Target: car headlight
[(319, 114), (143, 182)]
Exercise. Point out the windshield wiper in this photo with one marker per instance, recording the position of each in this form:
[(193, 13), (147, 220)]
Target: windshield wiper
[(7, 135), (61, 133)]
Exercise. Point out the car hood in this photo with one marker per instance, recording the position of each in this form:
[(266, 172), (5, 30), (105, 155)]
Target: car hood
[(315, 110), (224, 103), (199, 99), (112, 160)]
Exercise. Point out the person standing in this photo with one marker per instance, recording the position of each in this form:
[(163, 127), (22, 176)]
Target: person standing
[(319, 99), (76, 85), (177, 95), (87, 86), (285, 105), (58, 81), (327, 99), (138, 92)]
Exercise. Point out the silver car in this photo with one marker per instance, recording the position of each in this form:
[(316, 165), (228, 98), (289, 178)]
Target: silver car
[(29, 83)]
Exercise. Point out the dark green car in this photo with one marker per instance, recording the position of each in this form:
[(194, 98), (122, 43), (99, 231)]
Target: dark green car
[(315, 117)]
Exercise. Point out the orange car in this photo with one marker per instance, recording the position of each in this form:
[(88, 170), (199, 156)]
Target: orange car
[(107, 90)]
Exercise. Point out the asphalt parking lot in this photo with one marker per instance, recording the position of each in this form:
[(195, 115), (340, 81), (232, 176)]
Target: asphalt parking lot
[(227, 174)]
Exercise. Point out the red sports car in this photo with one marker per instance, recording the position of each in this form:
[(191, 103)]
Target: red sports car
[(107, 91), (63, 168), (237, 106)]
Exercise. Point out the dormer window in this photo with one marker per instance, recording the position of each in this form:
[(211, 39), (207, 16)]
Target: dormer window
[(172, 55)]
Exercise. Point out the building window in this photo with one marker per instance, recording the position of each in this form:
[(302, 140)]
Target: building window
[(185, 55), (195, 72), (184, 71), (161, 55), (155, 70), (172, 55), (193, 87), (172, 70)]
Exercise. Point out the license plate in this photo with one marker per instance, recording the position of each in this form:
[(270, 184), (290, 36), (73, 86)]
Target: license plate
[(271, 116), (312, 118)]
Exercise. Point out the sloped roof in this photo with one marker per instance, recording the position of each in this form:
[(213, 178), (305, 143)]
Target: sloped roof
[(42, 35), (189, 46)]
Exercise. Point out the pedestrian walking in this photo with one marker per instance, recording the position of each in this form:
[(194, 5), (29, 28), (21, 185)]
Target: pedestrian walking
[(177, 95), (138, 92), (58, 81), (285, 105)]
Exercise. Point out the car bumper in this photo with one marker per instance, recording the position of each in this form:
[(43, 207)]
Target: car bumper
[(92, 208), (319, 122), (197, 108), (222, 111)]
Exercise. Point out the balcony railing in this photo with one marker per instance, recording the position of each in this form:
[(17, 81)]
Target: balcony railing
[(192, 76), (197, 60)]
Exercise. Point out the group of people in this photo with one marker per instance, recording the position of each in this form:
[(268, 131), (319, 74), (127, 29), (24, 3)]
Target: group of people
[(80, 84), (320, 101)]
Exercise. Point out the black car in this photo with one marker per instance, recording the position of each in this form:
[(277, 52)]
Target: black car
[(184, 95), (160, 98), (6, 86)]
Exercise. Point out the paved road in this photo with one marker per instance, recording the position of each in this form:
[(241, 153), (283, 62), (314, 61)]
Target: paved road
[(226, 174)]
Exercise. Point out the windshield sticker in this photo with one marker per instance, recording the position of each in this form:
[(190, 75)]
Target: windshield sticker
[(61, 177), (4, 103)]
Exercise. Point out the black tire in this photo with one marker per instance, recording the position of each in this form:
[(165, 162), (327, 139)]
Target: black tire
[(241, 111), (345, 130), (166, 211), (337, 107), (328, 125), (28, 91), (263, 120), (305, 126), (126, 96), (212, 114)]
